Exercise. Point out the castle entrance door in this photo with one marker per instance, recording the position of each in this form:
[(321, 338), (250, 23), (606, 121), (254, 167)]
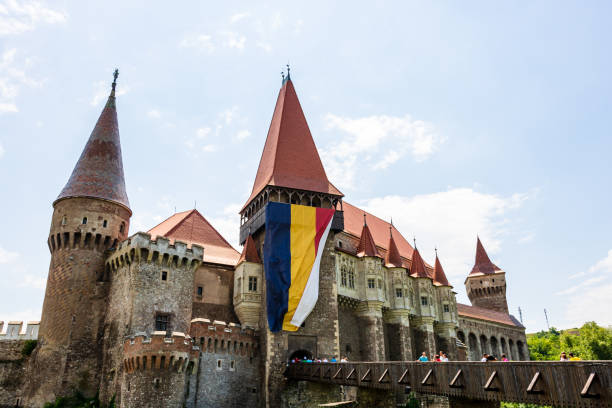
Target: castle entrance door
[(302, 346)]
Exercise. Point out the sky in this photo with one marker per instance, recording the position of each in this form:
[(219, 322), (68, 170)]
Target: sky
[(454, 118)]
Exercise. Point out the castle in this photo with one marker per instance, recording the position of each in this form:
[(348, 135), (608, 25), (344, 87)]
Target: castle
[(176, 316)]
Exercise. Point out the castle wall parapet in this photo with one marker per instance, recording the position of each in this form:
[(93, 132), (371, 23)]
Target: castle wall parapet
[(159, 352), (14, 330), (221, 337), (141, 248)]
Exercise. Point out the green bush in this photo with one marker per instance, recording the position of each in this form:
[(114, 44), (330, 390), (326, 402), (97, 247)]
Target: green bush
[(28, 347)]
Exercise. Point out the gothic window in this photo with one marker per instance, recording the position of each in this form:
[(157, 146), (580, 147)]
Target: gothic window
[(351, 279), (162, 322), (164, 276), (371, 284), (423, 301), (84, 220), (200, 290), (446, 308), (252, 284), (398, 292), (343, 276)]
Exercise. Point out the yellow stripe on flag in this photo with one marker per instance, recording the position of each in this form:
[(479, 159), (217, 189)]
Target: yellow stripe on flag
[(303, 231)]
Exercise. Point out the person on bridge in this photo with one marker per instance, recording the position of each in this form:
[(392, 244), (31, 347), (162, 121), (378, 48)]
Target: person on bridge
[(423, 358), (563, 357), (485, 358), (444, 357), (333, 360), (504, 358), (572, 357)]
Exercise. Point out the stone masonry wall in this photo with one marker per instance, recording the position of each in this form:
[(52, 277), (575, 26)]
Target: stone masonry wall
[(12, 372), (498, 339)]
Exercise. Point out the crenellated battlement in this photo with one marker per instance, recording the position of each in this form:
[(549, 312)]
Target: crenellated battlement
[(14, 330), (221, 337), (141, 248), (80, 240), (159, 352)]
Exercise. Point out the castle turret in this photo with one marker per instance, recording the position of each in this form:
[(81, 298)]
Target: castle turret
[(423, 322), (446, 324), (90, 215), (486, 283), (248, 281)]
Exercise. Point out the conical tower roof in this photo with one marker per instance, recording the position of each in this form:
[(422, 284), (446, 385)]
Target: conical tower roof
[(483, 264), (290, 157), (367, 246), (439, 276), (249, 252), (393, 258), (418, 265), (99, 171)]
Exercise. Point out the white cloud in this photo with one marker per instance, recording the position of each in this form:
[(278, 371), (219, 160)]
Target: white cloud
[(590, 299), (234, 40), (18, 17), (154, 114), (243, 134), (450, 220), (102, 89), (238, 17), (227, 222), (36, 282), (1, 151), (376, 142), (203, 132), (200, 42), (209, 148), (12, 77), (228, 115), (267, 47), (7, 257)]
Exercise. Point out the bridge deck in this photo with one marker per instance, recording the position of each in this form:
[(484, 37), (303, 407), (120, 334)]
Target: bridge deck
[(561, 384)]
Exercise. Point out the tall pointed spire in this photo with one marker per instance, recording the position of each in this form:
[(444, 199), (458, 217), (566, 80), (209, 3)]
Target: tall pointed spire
[(418, 265), (249, 252), (439, 276), (99, 171), (393, 258), (290, 158), (367, 246), (482, 263)]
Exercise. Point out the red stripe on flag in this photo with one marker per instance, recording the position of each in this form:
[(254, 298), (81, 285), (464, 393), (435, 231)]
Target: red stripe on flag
[(324, 216)]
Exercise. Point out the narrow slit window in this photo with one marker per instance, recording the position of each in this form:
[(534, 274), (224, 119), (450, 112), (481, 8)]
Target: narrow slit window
[(84, 220), (164, 276), (104, 224), (200, 290)]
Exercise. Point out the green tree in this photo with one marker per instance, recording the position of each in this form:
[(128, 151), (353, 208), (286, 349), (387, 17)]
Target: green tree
[(592, 343), (544, 345)]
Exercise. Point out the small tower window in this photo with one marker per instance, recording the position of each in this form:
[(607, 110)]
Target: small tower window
[(446, 308), (232, 365), (371, 284), (339, 244), (423, 301), (84, 220), (398, 293), (63, 220), (162, 322), (104, 224), (219, 364), (200, 290), (252, 284), (164, 276), (122, 227)]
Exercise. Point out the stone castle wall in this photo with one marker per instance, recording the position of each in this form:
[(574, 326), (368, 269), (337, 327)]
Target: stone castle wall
[(12, 372), (488, 337)]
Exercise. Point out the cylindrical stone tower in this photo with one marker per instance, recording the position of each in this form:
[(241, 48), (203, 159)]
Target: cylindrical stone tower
[(90, 215)]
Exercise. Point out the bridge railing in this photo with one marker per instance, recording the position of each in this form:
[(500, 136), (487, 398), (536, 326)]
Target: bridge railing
[(561, 384)]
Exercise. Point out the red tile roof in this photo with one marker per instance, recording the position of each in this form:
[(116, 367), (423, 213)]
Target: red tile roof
[(192, 228), (290, 157), (483, 264), (367, 247), (99, 171), (439, 276), (353, 224), (487, 314), (393, 258), (418, 266), (249, 252)]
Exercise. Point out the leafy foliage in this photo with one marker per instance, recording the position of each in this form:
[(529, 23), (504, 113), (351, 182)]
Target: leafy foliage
[(28, 347), (78, 400), (590, 342)]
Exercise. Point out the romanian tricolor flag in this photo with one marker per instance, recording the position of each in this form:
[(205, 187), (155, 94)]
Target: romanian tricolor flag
[(295, 237)]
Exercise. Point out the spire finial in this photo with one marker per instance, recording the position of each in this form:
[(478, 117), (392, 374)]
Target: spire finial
[(288, 72), (414, 240), (115, 75), (436, 250), (283, 76), (364, 219)]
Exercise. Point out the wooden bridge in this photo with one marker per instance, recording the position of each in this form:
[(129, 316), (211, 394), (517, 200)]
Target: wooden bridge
[(561, 384)]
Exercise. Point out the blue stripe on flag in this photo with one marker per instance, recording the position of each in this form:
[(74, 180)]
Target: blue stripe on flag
[(277, 262)]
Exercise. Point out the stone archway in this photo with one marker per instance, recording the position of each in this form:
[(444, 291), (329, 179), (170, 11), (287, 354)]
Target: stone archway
[(301, 354), (511, 351), (494, 347), (521, 350), (474, 353), (484, 347), (504, 347)]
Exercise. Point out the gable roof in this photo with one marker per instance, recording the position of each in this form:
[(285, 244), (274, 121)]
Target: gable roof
[(192, 228), (482, 263), (290, 157), (487, 314), (99, 171)]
